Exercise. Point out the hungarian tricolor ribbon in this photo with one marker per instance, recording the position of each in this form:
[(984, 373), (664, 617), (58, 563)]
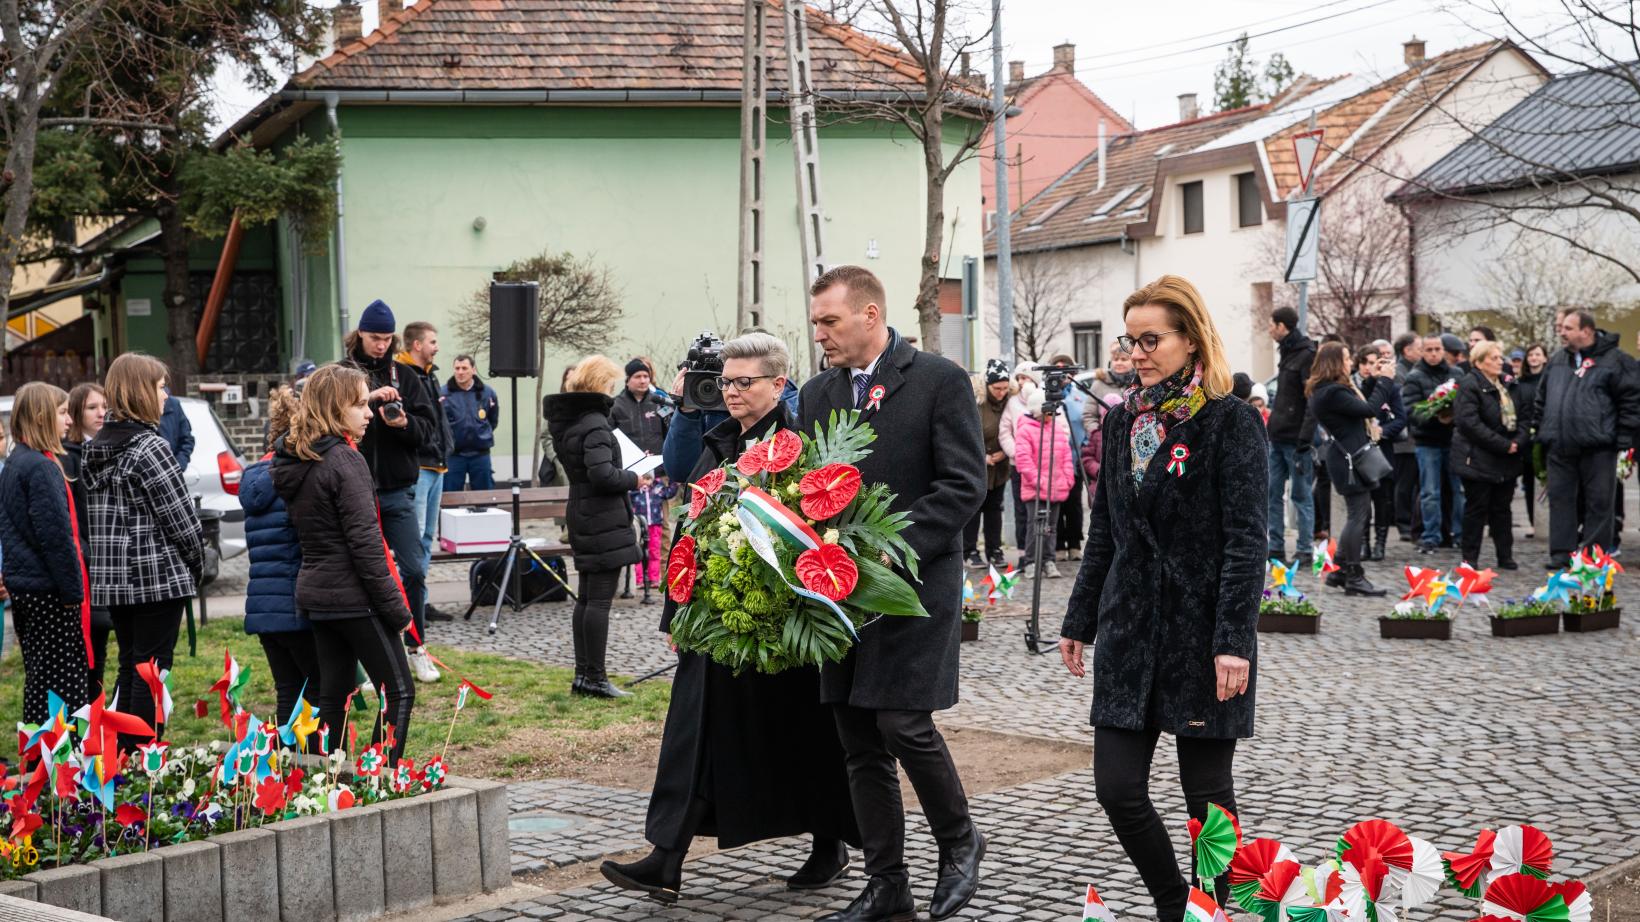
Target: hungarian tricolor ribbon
[(1181, 454), (875, 397), (1587, 364), (762, 519)]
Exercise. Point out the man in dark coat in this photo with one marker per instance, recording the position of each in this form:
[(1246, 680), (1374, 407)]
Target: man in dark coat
[(1587, 409), (930, 453), (1292, 430), (639, 411)]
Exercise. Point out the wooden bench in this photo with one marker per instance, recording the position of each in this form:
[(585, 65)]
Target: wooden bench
[(534, 504)]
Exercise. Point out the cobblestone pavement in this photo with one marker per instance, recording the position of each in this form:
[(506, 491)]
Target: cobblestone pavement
[(1440, 737)]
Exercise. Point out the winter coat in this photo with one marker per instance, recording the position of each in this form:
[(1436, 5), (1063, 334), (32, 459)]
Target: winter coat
[(931, 456), (1526, 388), (434, 453), (599, 513), (1172, 574), (35, 528), (344, 572), (685, 430), (1385, 394), (394, 452), (1343, 413), (472, 414), (275, 553), (1031, 450), (1421, 382), (146, 543), (1590, 401), (1290, 420), (649, 503), (761, 748), (1480, 442), (1011, 412), (642, 419), (177, 432), (990, 424)]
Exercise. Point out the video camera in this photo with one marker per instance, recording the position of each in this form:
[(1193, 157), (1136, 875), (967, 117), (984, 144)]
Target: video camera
[(1056, 378), (703, 365)]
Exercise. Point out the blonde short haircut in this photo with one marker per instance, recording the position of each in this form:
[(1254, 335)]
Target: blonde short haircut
[(132, 383), (595, 374), (1483, 350), (774, 359), (1188, 312)]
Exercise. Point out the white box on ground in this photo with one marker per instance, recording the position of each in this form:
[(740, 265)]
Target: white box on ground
[(464, 531)]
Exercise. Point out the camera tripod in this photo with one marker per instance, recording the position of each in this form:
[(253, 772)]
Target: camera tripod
[(1041, 508)]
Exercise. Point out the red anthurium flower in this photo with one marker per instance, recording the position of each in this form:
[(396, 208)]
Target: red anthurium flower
[(129, 814), (828, 570), (701, 491), (680, 570), (828, 490), (773, 454)]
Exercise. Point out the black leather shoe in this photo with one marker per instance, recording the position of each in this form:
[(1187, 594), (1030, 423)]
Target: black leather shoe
[(883, 900), (658, 874), (1358, 584), (828, 862), (959, 876), (599, 687), (1336, 579), (433, 614)]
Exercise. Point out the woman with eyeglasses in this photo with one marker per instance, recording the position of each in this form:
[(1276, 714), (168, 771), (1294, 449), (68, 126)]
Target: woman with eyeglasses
[(752, 756), (1171, 579), (599, 511)]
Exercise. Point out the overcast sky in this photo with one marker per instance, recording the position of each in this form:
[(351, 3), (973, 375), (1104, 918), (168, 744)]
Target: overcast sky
[(1140, 56)]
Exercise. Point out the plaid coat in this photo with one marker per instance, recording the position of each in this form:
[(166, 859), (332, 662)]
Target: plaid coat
[(145, 536)]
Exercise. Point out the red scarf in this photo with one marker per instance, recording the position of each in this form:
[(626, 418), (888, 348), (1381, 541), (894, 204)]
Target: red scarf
[(392, 567), (85, 575)]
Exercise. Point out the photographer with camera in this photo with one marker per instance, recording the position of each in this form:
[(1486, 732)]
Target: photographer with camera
[(700, 405), (403, 418)]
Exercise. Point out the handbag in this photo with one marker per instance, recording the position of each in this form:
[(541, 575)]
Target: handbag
[(1357, 471)]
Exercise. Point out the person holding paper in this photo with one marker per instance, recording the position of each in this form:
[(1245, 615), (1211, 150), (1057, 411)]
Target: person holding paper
[(599, 513), (753, 756)]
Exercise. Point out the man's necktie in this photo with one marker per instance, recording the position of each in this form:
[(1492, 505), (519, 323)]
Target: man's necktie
[(861, 382)]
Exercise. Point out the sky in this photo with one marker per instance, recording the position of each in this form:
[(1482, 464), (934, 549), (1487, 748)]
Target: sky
[(1139, 56)]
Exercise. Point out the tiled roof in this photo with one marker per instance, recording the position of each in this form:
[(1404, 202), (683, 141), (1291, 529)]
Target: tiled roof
[(1579, 125), (595, 45)]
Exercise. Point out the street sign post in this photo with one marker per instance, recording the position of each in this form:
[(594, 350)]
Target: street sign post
[(1304, 220)]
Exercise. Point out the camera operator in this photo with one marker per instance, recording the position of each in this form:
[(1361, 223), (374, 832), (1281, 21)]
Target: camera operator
[(403, 418), (699, 404), (640, 411)]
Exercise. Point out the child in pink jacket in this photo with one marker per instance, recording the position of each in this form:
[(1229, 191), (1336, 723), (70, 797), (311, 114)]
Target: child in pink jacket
[(1032, 450)]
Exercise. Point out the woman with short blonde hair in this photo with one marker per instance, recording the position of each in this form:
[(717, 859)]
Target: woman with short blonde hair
[(44, 571), (595, 374), (1171, 578)]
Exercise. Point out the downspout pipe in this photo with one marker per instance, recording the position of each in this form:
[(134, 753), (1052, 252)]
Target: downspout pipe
[(342, 320)]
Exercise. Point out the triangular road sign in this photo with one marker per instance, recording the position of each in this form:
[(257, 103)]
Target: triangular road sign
[(1307, 147)]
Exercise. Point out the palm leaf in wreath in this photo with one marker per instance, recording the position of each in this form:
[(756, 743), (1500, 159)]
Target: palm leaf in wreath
[(871, 523), (842, 440)]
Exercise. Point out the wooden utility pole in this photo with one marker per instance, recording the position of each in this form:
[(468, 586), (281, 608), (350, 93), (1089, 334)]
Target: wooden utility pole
[(805, 152), (1005, 277), (753, 104)]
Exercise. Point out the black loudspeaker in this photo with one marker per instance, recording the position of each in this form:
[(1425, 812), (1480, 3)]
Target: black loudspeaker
[(513, 329)]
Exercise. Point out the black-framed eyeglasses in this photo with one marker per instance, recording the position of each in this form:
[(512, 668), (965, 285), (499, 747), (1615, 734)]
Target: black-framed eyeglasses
[(1146, 341), (742, 383)]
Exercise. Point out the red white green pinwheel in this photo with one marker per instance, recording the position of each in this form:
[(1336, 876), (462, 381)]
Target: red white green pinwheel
[(1214, 841), (1524, 898), (1510, 850)]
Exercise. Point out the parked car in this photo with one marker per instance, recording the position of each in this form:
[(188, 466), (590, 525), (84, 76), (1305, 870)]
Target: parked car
[(213, 471)]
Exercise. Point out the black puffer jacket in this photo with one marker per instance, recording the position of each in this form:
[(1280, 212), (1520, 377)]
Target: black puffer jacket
[(1597, 410), (435, 452), (599, 514), (332, 503), (1421, 382), (1290, 422), (1480, 442), (35, 528), (643, 420), (1526, 388), (393, 452)]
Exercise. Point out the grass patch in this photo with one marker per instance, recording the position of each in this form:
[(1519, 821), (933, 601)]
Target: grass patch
[(533, 722)]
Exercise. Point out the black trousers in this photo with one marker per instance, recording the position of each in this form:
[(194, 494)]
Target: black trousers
[(366, 640), (1383, 495), (1486, 505), (1408, 520), (1069, 535), (1121, 782), (1022, 510), (1528, 482), (293, 661), (1351, 542), (873, 742), (1582, 487), (144, 632), (589, 625), (990, 513), (1322, 497), (48, 630)]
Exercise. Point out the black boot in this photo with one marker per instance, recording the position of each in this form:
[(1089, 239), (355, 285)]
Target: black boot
[(659, 874), (1381, 538), (959, 875), (828, 862), (595, 639), (1336, 578), (1357, 583), (883, 900), (576, 634)]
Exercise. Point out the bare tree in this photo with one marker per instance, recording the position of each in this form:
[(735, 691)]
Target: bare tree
[(933, 35), (1537, 277), (1042, 306), (579, 310)]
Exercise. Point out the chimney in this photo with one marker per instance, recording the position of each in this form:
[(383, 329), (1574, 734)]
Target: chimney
[(1187, 107), (1412, 51), (386, 8), (347, 22), (1101, 153), (1064, 58), (1016, 71)]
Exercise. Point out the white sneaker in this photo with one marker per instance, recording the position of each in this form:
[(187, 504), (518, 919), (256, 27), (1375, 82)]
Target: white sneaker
[(423, 666), (1051, 570)]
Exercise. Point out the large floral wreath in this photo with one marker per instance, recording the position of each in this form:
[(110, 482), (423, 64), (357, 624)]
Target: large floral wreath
[(760, 584)]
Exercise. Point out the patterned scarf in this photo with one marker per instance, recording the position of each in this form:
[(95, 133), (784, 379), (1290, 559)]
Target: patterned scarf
[(1158, 408)]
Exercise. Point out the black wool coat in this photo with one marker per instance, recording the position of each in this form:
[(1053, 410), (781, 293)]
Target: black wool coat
[(1480, 440), (930, 453), (761, 749), (599, 513), (1172, 574)]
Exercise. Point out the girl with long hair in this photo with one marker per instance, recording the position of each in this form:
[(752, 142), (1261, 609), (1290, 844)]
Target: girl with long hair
[(1352, 421), (87, 411), (44, 570), (347, 587)]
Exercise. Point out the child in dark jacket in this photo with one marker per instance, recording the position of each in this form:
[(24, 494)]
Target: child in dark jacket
[(649, 505)]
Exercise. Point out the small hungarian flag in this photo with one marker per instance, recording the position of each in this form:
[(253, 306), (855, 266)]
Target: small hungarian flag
[(1005, 585), (1093, 908), (1201, 908)]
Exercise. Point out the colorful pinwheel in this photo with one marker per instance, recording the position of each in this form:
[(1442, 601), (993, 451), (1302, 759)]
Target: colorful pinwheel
[(1559, 588), (1475, 584), (1418, 580), (1438, 591), (1281, 578), (1321, 558), (1251, 862), (1214, 841)]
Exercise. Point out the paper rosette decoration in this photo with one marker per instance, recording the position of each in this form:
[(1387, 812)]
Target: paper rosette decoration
[(1214, 841), (1524, 898), (1511, 850), (1379, 862), (1266, 879)]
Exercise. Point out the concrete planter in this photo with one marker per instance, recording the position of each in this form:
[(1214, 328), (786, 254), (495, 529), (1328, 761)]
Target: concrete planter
[(334, 867)]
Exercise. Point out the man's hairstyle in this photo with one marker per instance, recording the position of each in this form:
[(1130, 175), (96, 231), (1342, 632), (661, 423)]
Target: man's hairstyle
[(863, 287), (1485, 331), (1404, 340), (1285, 316), (774, 359), (466, 358), (416, 332), (133, 382), (1369, 351), (1585, 319)]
